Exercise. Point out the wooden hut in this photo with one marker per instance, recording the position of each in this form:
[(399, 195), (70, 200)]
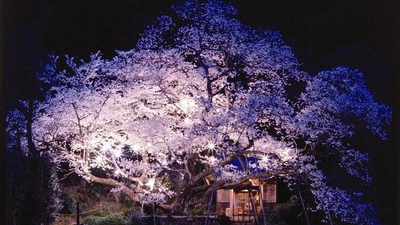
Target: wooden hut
[(245, 201)]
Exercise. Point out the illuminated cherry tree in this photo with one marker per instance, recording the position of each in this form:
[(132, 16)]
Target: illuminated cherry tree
[(200, 91)]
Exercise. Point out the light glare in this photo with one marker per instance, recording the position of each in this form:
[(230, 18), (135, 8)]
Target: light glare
[(150, 183)]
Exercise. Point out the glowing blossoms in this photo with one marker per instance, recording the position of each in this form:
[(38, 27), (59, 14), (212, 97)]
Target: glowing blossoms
[(200, 91)]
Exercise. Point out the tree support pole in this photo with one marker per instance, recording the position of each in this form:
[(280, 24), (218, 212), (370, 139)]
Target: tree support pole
[(77, 213), (154, 215), (211, 198), (253, 205), (302, 204), (330, 218), (260, 199)]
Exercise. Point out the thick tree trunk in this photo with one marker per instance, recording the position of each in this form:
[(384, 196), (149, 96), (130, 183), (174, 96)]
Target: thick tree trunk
[(113, 183)]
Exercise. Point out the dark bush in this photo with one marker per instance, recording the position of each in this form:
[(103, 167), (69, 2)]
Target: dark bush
[(108, 220)]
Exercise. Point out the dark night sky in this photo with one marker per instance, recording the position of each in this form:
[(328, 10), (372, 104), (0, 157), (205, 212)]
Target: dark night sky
[(323, 34)]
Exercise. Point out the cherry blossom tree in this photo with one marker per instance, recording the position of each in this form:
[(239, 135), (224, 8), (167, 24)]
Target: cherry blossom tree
[(200, 91)]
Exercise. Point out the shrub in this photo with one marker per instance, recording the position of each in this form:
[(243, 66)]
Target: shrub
[(68, 203), (99, 213), (196, 212), (284, 213), (92, 220), (136, 217), (109, 220), (126, 210)]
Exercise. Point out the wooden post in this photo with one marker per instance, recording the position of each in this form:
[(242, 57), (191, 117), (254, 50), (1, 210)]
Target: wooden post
[(77, 213)]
